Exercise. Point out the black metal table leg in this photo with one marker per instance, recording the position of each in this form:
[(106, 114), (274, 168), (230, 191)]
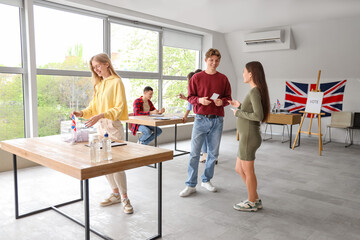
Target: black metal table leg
[(127, 132), (155, 140), (84, 189), (86, 209), (159, 203), (160, 199), (178, 150), (290, 135), (16, 187), (175, 136)]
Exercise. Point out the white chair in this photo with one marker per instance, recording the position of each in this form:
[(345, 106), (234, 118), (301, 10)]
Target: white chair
[(343, 120)]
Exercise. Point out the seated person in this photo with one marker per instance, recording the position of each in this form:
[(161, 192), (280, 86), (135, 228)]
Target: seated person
[(143, 106)]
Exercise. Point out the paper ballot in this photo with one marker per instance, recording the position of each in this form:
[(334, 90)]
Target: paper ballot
[(214, 96)]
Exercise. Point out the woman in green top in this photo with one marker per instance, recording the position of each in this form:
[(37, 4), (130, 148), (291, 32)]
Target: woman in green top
[(254, 109)]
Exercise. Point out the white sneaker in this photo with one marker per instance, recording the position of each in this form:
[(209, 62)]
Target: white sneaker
[(208, 186), (187, 191), (112, 199), (246, 206)]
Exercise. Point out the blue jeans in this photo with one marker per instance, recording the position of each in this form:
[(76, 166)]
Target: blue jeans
[(148, 134), (211, 130), (204, 147)]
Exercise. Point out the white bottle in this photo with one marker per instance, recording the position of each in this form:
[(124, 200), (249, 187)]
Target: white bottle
[(107, 146), (95, 145)]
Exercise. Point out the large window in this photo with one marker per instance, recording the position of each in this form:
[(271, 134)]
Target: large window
[(171, 90), (10, 45), (181, 55), (134, 49), (134, 89), (180, 61), (11, 78), (58, 96), (11, 106), (66, 40)]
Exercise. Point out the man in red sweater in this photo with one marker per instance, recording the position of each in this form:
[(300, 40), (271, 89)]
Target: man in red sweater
[(209, 92)]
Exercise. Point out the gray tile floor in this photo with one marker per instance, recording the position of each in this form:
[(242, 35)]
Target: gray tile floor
[(305, 196)]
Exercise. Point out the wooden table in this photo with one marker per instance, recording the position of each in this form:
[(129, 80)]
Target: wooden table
[(74, 160), (285, 119), (152, 121)]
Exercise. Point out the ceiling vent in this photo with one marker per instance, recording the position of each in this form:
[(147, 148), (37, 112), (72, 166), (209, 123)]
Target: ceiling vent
[(264, 37)]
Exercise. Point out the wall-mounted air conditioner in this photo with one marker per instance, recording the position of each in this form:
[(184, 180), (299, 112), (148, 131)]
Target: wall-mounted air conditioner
[(264, 37)]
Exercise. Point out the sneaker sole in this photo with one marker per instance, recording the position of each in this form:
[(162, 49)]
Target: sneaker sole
[(110, 203), (128, 212), (187, 194), (215, 190), (246, 209)]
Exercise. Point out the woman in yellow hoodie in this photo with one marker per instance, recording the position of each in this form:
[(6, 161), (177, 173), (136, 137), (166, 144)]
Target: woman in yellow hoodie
[(108, 107)]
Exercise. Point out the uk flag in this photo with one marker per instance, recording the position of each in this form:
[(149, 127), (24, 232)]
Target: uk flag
[(296, 96)]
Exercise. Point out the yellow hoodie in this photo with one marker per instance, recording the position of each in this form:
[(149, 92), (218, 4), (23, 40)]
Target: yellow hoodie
[(109, 99)]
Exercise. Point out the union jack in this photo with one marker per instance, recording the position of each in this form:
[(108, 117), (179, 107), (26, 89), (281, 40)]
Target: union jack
[(296, 96)]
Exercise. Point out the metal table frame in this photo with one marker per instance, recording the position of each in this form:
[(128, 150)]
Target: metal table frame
[(282, 141), (84, 196), (183, 152)]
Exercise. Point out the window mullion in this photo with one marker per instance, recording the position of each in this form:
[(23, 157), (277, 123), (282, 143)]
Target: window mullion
[(29, 80), (160, 69)]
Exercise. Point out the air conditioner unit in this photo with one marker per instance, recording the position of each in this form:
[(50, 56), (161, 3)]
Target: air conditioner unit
[(264, 37)]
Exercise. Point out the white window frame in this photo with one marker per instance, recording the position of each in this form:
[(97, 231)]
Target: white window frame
[(29, 71)]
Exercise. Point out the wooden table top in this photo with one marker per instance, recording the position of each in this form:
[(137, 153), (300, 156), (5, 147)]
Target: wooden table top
[(151, 121), (282, 118), (74, 160)]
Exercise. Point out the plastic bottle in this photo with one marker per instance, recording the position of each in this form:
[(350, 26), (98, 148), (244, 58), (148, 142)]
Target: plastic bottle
[(107, 147), (95, 145)]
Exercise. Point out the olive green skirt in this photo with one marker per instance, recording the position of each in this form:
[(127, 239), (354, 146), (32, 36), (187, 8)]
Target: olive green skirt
[(249, 140)]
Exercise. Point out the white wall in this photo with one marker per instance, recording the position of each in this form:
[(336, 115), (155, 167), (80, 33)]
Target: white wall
[(329, 46)]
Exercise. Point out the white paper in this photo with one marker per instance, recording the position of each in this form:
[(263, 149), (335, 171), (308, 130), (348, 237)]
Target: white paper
[(314, 102), (214, 96)]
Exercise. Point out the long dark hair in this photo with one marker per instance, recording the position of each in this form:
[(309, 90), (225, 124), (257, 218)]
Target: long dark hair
[(258, 77)]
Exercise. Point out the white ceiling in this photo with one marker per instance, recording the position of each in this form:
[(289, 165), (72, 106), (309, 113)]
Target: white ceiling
[(232, 15)]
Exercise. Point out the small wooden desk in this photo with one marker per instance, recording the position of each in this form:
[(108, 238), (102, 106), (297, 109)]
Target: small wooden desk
[(151, 121), (285, 119), (74, 160)]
